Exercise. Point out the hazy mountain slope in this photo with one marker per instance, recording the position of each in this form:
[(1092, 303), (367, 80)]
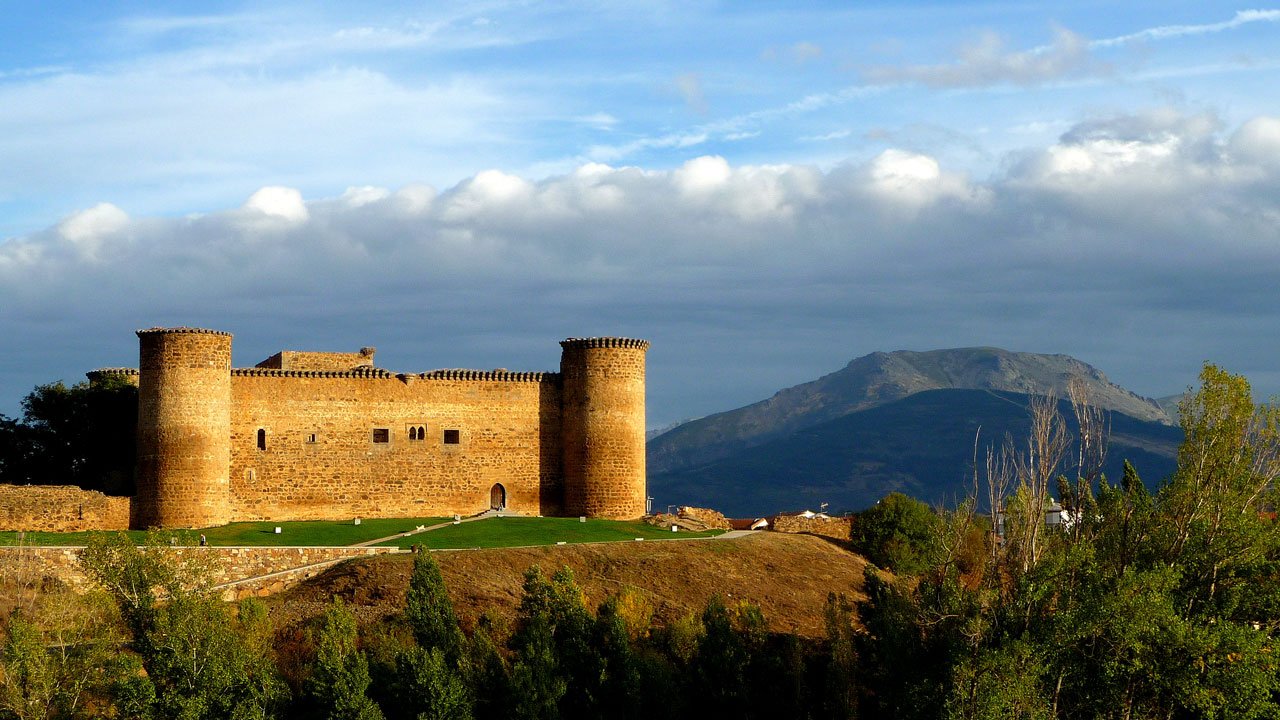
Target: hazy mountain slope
[(921, 445), (877, 379)]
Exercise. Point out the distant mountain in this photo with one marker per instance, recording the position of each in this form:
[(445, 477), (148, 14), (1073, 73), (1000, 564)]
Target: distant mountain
[(1170, 404), (651, 434), (879, 379), (921, 445)]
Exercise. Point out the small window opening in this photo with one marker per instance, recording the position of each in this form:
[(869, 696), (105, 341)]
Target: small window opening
[(381, 435), (451, 437), (413, 433), (417, 432), (262, 439), (311, 437)]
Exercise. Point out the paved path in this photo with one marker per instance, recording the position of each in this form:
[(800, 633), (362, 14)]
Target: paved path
[(731, 535), (482, 516)]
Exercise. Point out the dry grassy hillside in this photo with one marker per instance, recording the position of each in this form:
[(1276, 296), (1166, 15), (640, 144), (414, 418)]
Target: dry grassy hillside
[(789, 576)]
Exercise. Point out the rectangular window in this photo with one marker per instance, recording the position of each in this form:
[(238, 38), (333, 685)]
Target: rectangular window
[(381, 435), (450, 437), (311, 437)]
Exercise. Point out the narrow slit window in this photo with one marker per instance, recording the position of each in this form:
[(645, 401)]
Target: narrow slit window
[(381, 435), (451, 437), (311, 437), (262, 439)]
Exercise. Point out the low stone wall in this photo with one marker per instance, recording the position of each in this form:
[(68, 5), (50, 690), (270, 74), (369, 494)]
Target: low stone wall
[(838, 528), (241, 569), (712, 519), (60, 508)]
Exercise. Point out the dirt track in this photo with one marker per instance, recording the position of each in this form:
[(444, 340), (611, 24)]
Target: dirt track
[(788, 575)]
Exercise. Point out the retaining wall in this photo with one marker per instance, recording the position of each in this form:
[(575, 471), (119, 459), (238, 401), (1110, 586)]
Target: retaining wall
[(241, 569)]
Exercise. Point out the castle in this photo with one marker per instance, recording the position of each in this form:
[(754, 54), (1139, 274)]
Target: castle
[(311, 436)]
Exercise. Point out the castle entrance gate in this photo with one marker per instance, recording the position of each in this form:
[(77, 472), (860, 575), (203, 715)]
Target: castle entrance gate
[(498, 497)]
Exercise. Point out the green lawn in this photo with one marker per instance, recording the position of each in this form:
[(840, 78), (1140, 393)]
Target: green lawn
[(338, 532), (516, 531)]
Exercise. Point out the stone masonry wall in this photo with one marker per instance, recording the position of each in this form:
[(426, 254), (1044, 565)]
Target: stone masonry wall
[(838, 528), (604, 423), (184, 388), (325, 361), (236, 564), (322, 458), (60, 508)]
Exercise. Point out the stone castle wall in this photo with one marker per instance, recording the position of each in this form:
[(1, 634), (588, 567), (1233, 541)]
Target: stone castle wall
[(60, 508), (322, 457), (328, 436)]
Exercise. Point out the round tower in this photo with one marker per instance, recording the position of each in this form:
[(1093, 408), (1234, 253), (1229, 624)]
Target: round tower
[(184, 428), (602, 426)]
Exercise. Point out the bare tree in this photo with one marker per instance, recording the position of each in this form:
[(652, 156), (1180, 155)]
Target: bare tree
[(1047, 445), (1092, 440)]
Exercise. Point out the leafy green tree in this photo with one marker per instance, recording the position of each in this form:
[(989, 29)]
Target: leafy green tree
[(200, 660), (340, 679), (719, 679), (434, 689), (28, 686), (536, 683), (80, 435), (430, 612), (622, 686), (841, 680), (488, 676), (895, 533)]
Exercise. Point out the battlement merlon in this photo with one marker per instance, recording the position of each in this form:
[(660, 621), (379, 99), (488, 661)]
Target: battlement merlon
[(604, 342)]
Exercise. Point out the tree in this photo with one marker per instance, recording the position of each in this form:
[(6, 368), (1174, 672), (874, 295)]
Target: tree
[(80, 435), (430, 612), (340, 679), (200, 660), (895, 533), (433, 687)]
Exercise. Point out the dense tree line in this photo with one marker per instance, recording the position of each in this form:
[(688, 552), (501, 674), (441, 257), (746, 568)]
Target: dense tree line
[(81, 435), (1146, 604)]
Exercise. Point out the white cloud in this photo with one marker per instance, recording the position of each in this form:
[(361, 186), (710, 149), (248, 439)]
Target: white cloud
[(798, 54), (600, 120), (988, 61), (280, 202), (833, 135), (1164, 32), (1156, 234), (1258, 141), (689, 85)]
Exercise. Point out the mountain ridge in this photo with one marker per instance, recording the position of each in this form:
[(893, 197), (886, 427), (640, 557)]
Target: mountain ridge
[(880, 378)]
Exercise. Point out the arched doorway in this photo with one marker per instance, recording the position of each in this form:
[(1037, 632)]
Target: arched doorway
[(497, 497)]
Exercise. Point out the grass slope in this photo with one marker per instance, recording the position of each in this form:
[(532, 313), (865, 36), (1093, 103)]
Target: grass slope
[(315, 532), (517, 531), (789, 576), (921, 445)]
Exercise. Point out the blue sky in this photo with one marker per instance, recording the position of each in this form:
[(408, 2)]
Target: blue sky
[(767, 192)]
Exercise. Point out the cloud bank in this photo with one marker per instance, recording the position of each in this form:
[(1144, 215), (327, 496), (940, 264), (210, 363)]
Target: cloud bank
[(1143, 243)]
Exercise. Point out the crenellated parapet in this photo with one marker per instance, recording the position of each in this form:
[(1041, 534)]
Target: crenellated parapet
[(130, 375), (180, 330), (604, 342)]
